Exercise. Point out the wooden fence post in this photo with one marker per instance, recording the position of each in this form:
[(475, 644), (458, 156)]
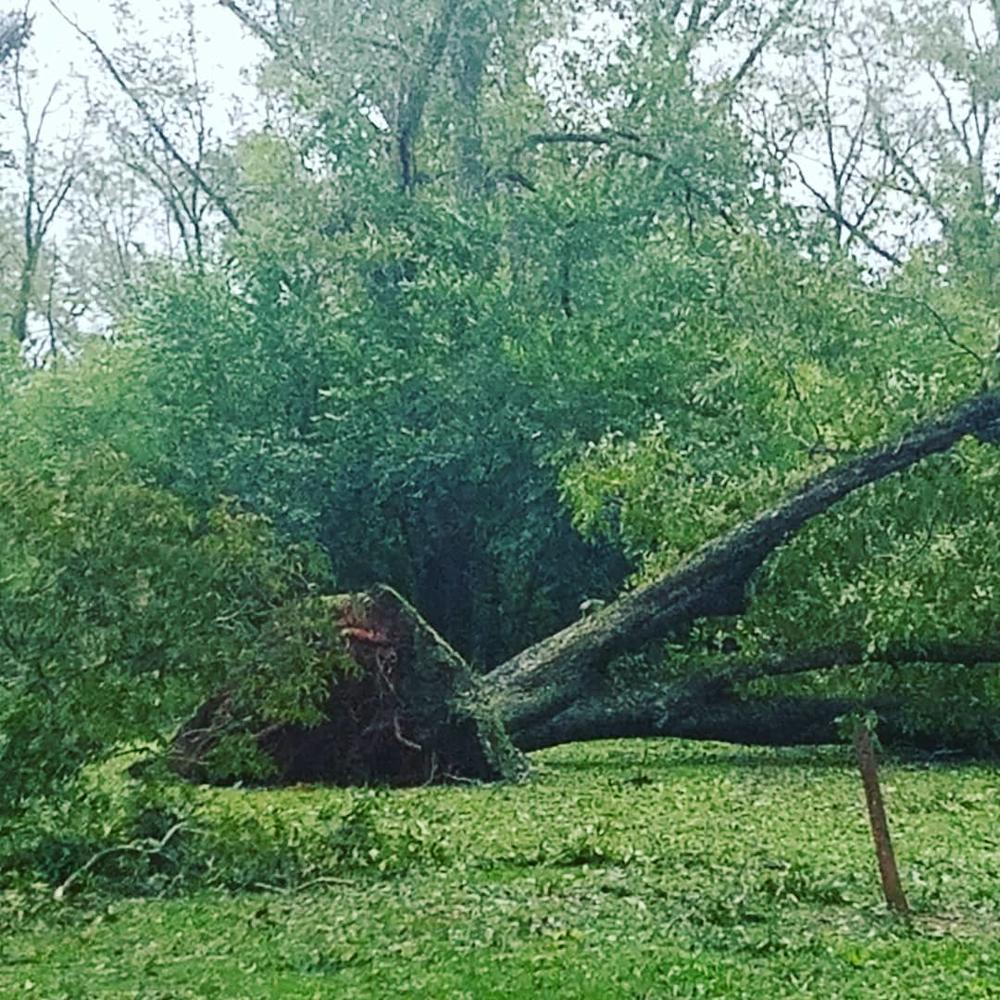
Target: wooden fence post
[(891, 887)]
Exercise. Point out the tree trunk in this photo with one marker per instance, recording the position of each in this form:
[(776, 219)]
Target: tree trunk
[(549, 676), (418, 711), (411, 714)]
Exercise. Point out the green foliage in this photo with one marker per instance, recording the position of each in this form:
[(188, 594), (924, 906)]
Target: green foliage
[(576, 332), (827, 367), (118, 835), (371, 393), (120, 605), (398, 375), (719, 873)]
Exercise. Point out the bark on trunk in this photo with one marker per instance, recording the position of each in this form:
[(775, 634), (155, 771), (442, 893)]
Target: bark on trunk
[(774, 722), (549, 676), (418, 712), (409, 715)]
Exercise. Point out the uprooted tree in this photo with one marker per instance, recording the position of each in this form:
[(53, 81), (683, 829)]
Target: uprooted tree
[(407, 709)]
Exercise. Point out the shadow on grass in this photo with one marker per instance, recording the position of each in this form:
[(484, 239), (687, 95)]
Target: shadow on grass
[(671, 755)]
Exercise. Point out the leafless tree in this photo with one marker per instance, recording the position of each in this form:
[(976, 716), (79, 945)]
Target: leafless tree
[(47, 179)]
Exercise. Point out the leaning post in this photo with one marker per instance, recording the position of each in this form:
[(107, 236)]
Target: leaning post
[(891, 887)]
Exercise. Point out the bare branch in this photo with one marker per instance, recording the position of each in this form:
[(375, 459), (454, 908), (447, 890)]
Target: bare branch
[(767, 36), (195, 175), (269, 38), (901, 159), (958, 130), (842, 220)]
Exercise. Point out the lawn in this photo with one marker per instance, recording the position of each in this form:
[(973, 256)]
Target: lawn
[(623, 869)]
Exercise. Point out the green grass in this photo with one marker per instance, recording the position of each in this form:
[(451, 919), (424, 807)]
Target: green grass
[(624, 869)]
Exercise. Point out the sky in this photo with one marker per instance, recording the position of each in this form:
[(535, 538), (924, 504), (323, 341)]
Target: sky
[(58, 57), (227, 54), (227, 50)]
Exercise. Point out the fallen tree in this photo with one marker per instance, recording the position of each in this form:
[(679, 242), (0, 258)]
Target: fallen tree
[(413, 711)]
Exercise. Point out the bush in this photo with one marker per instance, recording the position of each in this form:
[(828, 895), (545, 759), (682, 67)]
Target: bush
[(121, 606)]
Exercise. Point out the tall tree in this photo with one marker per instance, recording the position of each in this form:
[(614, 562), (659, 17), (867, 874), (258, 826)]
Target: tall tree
[(419, 713), (47, 177), (171, 145), (515, 318), (889, 123)]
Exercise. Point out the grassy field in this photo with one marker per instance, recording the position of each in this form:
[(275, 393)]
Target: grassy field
[(633, 869)]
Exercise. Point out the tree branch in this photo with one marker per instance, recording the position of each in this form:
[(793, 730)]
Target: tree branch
[(767, 36), (147, 846), (196, 176), (779, 721), (842, 220), (592, 139), (898, 653), (624, 141), (547, 677), (280, 49), (412, 109), (704, 706), (269, 38)]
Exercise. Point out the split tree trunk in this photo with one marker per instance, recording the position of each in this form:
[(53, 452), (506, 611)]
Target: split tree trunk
[(430, 716), (409, 714)]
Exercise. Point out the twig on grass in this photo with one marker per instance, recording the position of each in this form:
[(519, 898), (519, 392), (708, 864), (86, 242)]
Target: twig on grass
[(147, 846)]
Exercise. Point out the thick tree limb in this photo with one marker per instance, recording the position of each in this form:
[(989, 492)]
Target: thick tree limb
[(794, 721), (411, 111), (721, 682), (549, 676), (636, 715), (703, 706)]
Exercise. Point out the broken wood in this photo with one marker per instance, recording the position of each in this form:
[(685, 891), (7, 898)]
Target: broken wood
[(410, 714), (414, 711)]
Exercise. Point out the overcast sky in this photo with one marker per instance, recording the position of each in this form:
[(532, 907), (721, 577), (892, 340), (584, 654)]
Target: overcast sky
[(227, 56), (226, 53), (59, 56)]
